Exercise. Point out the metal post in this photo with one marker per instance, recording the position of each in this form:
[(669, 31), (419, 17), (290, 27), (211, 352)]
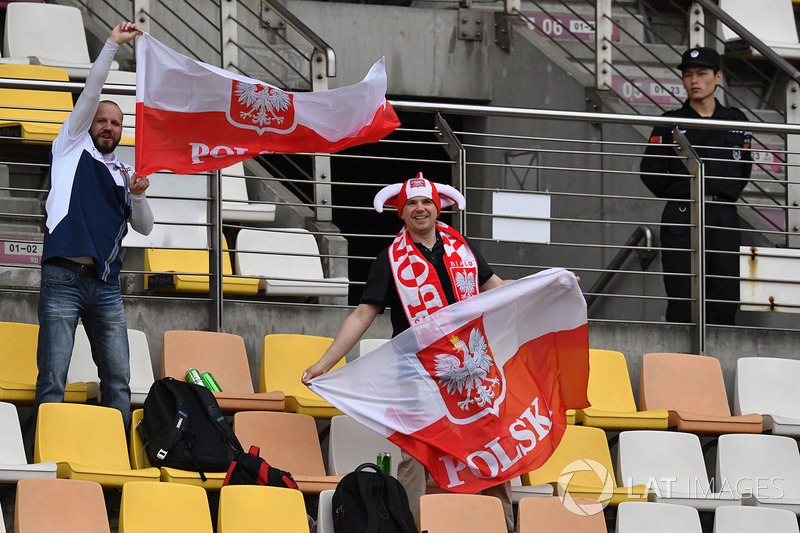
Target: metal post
[(322, 163), (697, 30), (458, 175), (141, 15), (512, 7), (215, 253), (602, 35), (698, 242), (228, 34), (792, 169)]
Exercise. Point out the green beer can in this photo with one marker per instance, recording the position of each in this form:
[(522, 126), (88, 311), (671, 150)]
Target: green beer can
[(193, 376), (210, 383), (385, 462)]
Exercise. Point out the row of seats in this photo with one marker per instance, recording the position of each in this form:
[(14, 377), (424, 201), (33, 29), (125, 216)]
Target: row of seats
[(283, 262), (688, 392), (71, 505)]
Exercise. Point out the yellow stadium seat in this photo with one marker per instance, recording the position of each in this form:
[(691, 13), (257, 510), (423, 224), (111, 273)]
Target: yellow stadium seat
[(139, 460), (288, 441), (611, 396), (163, 507), (283, 360), (243, 508), (225, 356), (581, 465), (87, 442), (18, 368), (46, 111), (464, 513), (190, 263), (59, 505)]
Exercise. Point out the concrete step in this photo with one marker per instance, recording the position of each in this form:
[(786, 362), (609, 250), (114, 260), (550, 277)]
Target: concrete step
[(21, 215)]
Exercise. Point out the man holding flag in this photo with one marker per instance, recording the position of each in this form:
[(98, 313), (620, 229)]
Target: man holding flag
[(395, 281), (92, 197)]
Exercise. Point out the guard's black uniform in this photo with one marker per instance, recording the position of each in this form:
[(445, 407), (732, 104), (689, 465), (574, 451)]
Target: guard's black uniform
[(731, 143)]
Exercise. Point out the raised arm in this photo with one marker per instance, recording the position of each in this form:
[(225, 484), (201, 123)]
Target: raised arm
[(353, 328), (81, 117)]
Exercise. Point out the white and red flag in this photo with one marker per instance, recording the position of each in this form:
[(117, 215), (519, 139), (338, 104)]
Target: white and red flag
[(194, 117), (478, 390)]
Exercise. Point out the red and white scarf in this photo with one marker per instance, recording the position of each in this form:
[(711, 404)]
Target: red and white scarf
[(418, 284)]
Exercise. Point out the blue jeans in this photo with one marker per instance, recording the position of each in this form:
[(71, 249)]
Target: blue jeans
[(64, 297)]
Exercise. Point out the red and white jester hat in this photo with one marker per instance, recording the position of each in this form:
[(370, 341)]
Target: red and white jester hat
[(397, 194)]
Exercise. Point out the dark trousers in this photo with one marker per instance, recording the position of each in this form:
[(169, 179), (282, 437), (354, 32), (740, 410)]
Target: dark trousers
[(716, 264)]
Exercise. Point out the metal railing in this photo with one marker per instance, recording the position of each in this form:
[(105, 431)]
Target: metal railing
[(581, 199)]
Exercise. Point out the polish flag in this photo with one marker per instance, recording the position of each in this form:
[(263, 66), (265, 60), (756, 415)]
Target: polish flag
[(194, 117), (478, 390)]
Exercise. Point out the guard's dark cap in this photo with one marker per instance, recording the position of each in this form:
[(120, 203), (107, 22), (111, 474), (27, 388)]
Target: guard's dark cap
[(705, 57)]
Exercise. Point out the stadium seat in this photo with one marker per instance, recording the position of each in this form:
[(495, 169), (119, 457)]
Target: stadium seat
[(236, 205), (52, 34), (60, 505), (287, 263), (139, 459), (18, 368), (745, 519), (581, 465), (611, 396), (672, 466), (691, 388), (351, 443), (768, 386), (153, 507), (188, 264), (82, 367), (175, 200), (283, 360), (246, 508), (520, 491), (773, 22), (142, 377), (367, 345), (14, 464), (50, 107), (288, 441), (550, 515), (464, 513), (225, 356), (87, 442), (325, 512), (763, 470), (635, 517)]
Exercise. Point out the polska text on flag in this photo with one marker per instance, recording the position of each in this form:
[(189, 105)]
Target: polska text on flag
[(478, 390), (194, 117)]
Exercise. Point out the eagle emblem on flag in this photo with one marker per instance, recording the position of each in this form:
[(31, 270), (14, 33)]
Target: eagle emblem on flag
[(261, 107), (465, 283), (463, 366)]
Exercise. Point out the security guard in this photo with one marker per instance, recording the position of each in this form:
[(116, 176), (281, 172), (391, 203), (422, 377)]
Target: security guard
[(725, 155)]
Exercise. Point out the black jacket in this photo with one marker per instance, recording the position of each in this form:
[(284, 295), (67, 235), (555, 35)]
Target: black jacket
[(730, 143)]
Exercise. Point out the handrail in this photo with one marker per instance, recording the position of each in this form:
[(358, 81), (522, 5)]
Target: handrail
[(752, 40), (639, 234), (586, 116), (307, 33)]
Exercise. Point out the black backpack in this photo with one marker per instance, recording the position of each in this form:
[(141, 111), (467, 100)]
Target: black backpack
[(371, 502), (183, 427)]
